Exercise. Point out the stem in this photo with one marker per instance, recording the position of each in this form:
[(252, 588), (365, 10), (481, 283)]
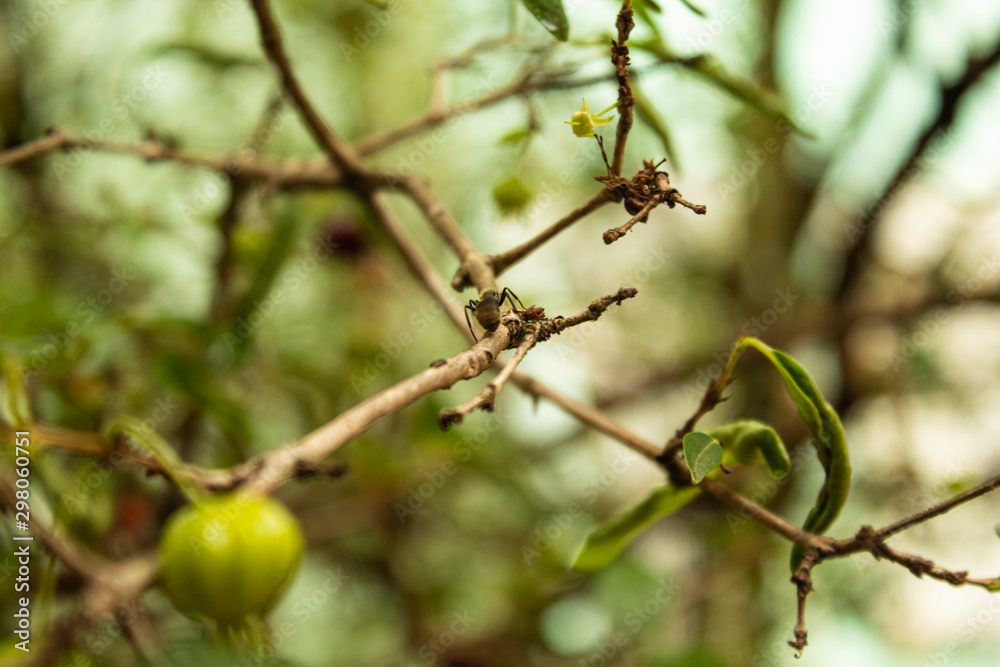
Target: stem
[(938, 510), (340, 153), (140, 434), (488, 396)]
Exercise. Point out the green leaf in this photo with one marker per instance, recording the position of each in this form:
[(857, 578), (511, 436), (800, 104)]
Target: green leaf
[(694, 8), (15, 408), (516, 136), (702, 453), (644, 10), (708, 67), (648, 113), (607, 542), (551, 15), (828, 437), (750, 442)]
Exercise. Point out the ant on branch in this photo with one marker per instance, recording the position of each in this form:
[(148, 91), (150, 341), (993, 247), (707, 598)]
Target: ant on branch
[(487, 308)]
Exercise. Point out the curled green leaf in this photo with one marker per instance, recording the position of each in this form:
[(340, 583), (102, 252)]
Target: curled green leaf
[(551, 15), (750, 442), (148, 441), (827, 436), (607, 542), (702, 453)]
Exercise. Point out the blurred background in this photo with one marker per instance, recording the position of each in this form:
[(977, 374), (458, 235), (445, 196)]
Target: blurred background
[(866, 243)]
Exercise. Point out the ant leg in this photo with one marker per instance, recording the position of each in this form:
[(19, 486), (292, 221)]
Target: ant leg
[(509, 296), (469, 322)]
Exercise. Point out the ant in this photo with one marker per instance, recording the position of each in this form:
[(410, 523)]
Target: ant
[(487, 308)]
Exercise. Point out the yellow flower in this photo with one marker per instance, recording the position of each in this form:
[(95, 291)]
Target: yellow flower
[(584, 122)]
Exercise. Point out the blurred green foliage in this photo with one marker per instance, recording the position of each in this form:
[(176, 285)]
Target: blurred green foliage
[(124, 290)]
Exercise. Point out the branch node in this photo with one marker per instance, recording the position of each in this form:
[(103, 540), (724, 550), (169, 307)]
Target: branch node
[(641, 194), (447, 418), (307, 469)]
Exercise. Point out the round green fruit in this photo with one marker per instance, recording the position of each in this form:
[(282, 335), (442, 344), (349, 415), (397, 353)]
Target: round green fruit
[(229, 557), (512, 195)]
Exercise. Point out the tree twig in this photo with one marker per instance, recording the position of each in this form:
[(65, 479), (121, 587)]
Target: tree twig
[(278, 466), (503, 261), (480, 273), (802, 578), (647, 190), (59, 545), (951, 95), (920, 566), (616, 233), (341, 154), (626, 100), (293, 174), (765, 517), (939, 509), (588, 416), (486, 399), (436, 116)]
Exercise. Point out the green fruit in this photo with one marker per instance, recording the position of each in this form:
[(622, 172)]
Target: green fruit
[(229, 557), (511, 196)]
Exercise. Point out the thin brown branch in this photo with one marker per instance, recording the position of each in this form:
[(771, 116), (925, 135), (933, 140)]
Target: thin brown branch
[(503, 261), (802, 578), (709, 401), (938, 509), (860, 237), (486, 399), (50, 436), (110, 593), (480, 274), (145, 638), (530, 82), (341, 154), (648, 189), (765, 517), (616, 233), (438, 116), (32, 149), (281, 175), (278, 466), (556, 326), (626, 100), (418, 265), (224, 263), (921, 566), (588, 416), (59, 545)]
